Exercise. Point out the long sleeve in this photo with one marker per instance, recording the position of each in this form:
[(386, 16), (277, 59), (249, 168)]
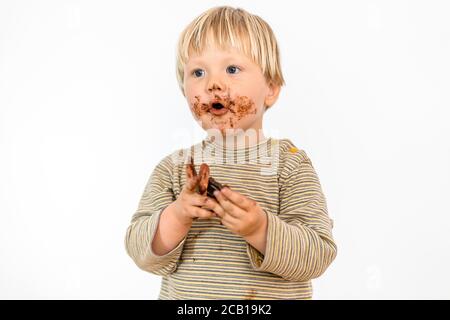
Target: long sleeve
[(156, 197), (300, 246)]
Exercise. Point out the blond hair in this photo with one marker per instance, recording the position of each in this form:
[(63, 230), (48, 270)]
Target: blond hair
[(231, 27)]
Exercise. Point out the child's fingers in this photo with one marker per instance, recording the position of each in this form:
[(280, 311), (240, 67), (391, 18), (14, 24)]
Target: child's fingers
[(238, 199), (191, 183), (197, 212), (190, 170), (203, 178), (196, 199), (228, 206), (230, 222), (192, 179), (215, 206)]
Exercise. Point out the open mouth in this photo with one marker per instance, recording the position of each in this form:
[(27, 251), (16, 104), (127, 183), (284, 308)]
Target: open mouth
[(218, 108)]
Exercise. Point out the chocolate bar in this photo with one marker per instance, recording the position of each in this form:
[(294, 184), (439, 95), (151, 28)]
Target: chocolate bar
[(213, 185)]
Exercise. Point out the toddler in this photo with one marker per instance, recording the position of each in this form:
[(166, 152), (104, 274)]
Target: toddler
[(238, 215)]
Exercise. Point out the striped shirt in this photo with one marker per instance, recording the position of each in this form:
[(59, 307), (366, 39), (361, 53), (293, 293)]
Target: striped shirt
[(213, 263)]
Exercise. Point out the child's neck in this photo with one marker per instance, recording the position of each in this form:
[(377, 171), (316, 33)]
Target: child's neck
[(240, 140)]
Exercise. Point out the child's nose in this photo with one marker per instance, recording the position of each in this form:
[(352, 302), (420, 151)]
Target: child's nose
[(216, 86)]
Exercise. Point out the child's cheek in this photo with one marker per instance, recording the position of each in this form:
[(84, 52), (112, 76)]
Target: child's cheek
[(242, 106), (199, 108)]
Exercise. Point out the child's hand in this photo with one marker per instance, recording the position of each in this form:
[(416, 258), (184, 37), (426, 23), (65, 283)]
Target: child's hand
[(241, 215), (189, 203)]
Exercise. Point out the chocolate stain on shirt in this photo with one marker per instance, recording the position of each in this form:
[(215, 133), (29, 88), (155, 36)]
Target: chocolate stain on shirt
[(250, 294)]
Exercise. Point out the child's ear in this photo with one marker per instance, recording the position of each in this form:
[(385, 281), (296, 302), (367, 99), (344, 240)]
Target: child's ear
[(272, 95)]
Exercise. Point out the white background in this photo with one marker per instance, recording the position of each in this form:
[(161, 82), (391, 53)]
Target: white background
[(89, 104)]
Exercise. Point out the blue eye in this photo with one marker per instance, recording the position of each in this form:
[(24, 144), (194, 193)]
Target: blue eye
[(198, 72), (233, 69)]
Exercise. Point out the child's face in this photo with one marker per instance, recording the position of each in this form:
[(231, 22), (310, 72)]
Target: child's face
[(231, 79)]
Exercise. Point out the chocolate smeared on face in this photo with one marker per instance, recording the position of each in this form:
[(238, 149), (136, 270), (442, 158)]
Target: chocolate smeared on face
[(200, 108), (242, 106), (239, 107)]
